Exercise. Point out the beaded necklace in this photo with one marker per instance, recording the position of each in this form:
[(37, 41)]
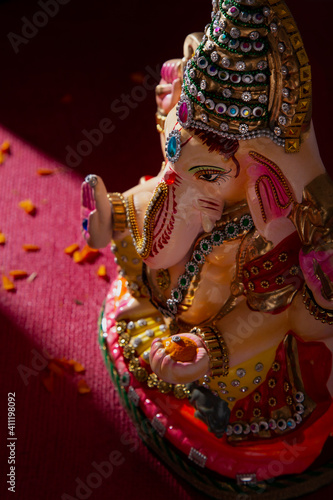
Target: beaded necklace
[(232, 230)]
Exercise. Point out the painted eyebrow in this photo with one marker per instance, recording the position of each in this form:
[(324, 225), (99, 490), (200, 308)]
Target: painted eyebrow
[(207, 166)]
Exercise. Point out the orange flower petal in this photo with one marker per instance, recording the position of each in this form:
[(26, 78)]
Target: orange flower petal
[(77, 257), (7, 284), (2, 239), (45, 171), (89, 254), (82, 387), (55, 368), (18, 274), (48, 382), (101, 271), (78, 368), (5, 148), (28, 206), (71, 249), (31, 248)]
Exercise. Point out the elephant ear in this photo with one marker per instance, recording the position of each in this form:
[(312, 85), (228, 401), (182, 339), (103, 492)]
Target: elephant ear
[(270, 198)]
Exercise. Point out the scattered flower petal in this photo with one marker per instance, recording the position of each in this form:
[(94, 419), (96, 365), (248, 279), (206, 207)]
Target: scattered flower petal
[(32, 277), (101, 271), (78, 368), (5, 148), (71, 249), (28, 206), (31, 248), (2, 239), (48, 382), (55, 368), (89, 254), (45, 171), (82, 387), (7, 284), (77, 257), (18, 274)]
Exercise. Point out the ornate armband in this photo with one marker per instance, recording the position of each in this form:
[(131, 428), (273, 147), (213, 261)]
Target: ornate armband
[(118, 211), (318, 312), (216, 348)]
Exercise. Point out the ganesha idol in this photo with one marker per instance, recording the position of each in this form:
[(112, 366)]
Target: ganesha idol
[(218, 328)]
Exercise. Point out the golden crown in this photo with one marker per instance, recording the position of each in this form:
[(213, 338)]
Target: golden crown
[(250, 76)]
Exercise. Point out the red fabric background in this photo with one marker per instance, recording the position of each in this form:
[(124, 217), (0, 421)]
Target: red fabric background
[(61, 82)]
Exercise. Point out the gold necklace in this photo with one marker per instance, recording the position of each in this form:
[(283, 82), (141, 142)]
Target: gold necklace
[(143, 244)]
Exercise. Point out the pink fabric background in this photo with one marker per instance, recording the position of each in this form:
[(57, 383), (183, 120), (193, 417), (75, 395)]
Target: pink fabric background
[(89, 53)]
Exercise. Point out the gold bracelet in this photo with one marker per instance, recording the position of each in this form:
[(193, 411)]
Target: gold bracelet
[(160, 122), (118, 211), (318, 312), (216, 348)]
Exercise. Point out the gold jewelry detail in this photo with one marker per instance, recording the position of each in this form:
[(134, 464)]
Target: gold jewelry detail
[(270, 301), (216, 348), (318, 312), (163, 88), (256, 397), (312, 218), (289, 400), (256, 412), (144, 243), (239, 414), (283, 257), (140, 373), (118, 211), (160, 122), (163, 279)]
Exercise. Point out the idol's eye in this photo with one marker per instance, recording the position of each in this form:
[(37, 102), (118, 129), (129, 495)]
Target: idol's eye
[(210, 174)]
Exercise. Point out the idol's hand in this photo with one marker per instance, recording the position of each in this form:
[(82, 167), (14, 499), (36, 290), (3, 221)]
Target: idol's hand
[(96, 213), (179, 359), (169, 89)]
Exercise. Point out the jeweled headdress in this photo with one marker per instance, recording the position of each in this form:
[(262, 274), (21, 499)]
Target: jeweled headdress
[(250, 76)]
